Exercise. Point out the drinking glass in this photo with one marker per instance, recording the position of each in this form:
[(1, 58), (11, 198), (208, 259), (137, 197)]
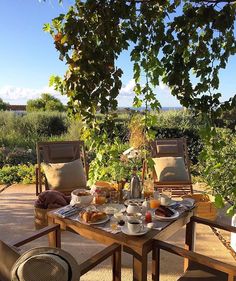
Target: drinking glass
[(154, 203), (113, 223), (114, 196), (101, 198)]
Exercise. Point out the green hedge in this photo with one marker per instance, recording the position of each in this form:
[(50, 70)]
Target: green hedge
[(17, 174)]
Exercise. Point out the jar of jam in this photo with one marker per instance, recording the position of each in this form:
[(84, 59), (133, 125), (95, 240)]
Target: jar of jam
[(148, 217)]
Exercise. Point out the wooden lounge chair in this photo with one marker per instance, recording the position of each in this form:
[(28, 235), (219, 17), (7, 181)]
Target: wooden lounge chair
[(176, 150), (57, 152), (9, 254), (197, 266)]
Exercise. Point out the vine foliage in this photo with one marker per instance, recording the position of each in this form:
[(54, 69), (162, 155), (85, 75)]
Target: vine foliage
[(182, 44)]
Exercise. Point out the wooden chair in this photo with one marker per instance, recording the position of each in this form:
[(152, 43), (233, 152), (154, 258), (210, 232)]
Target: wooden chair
[(170, 148), (9, 254), (197, 266), (57, 152)]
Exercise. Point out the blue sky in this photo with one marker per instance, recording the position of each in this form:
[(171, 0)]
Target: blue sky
[(28, 56)]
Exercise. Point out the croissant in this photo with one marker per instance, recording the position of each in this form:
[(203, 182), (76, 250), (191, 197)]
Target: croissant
[(92, 216), (97, 216)]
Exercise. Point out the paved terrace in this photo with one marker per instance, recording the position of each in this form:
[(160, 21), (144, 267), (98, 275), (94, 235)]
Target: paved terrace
[(17, 218)]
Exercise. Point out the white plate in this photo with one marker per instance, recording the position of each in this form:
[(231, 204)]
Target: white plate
[(79, 219), (173, 217), (136, 201), (111, 209), (125, 230)]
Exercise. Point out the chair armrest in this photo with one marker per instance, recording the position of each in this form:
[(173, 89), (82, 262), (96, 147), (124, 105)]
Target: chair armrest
[(100, 257), (214, 224), (196, 257), (52, 228)]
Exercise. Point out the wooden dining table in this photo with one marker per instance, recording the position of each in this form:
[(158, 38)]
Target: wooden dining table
[(137, 246)]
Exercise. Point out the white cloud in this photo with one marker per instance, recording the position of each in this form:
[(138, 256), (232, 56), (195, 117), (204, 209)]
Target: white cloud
[(163, 94), (16, 95), (127, 90)]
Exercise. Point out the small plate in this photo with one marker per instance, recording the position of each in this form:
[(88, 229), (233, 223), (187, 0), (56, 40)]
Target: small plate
[(136, 201), (173, 217), (125, 230), (79, 219), (111, 209)]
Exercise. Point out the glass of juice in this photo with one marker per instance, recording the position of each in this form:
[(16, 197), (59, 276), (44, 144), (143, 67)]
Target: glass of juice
[(100, 198), (154, 203)]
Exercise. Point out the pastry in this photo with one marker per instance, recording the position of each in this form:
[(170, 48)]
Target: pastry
[(97, 216), (92, 216)]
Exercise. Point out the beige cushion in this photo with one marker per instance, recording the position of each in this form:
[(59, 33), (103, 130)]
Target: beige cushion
[(170, 169), (65, 176)]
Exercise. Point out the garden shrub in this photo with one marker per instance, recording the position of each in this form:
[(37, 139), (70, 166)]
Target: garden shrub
[(218, 166), (9, 174), (16, 156), (17, 174), (44, 124), (182, 119)]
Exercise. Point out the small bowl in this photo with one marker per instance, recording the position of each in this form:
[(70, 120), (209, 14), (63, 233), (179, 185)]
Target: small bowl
[(81, 196), (119, 216)]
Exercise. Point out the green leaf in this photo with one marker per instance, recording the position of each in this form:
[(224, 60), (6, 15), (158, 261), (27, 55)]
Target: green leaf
[(47, 27), (231, 211), (219, 201)]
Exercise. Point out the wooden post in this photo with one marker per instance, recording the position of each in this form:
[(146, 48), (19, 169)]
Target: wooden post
[(190, 237), (116, 266), (155, 264), (54, 237)]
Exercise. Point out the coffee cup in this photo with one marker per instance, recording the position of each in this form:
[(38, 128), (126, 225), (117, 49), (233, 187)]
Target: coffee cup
[(165, 200), (133, 208), (134, 226)]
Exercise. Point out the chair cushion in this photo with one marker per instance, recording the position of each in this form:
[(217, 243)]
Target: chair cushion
[(170, 169), (8, 256), (198, 272), (65, 176)]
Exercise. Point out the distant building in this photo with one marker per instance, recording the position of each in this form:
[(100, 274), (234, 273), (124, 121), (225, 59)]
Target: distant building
[(17, 108)]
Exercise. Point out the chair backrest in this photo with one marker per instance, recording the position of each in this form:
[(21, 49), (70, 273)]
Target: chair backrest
[(58, 152), (172, 148), (169, 147)]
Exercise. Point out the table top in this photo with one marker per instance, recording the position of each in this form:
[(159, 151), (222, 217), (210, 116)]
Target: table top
[(100, 235)]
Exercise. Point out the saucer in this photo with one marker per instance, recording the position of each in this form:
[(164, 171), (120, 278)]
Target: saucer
[(125, 230)]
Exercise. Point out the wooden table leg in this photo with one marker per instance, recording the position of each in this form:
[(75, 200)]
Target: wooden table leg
[(140, 267), (116, 266), (155, 264), (54, 237), (190, 237)]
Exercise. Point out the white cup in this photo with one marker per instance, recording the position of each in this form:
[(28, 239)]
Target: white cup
[(133, 208), (134, 226), (165, 200)]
